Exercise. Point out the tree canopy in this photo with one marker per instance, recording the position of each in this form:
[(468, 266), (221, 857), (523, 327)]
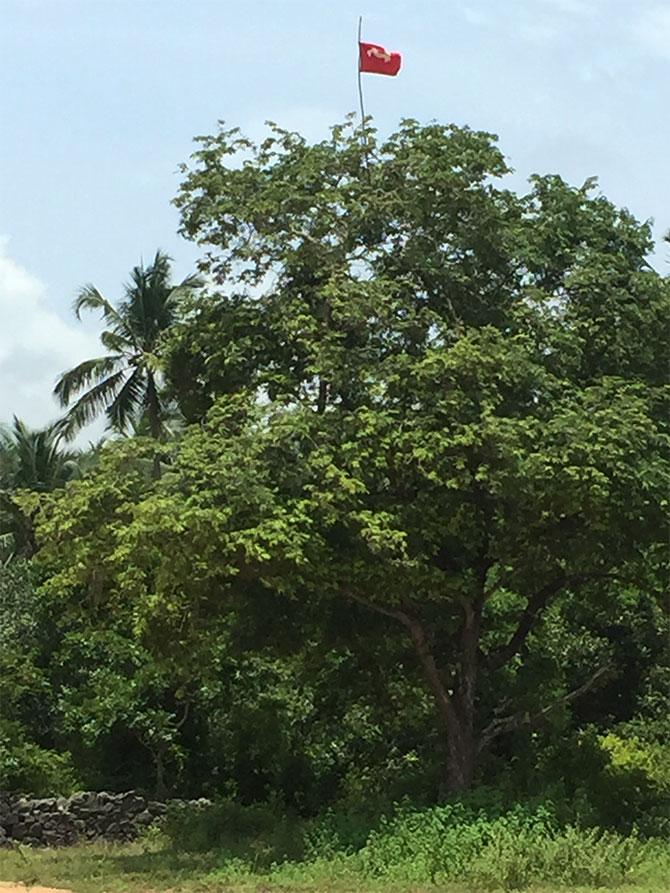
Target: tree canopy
[(428, 413)]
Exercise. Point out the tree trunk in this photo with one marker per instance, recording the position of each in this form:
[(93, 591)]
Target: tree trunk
[(161, 788), (323, 396), (154, 416), (454, 692), (455, 708), (153, 407), (322, 399), (461, 752), (461, 744)]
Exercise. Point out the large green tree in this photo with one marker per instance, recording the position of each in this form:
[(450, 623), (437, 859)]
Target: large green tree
[(447, 409), (471, 384), (125, 383)]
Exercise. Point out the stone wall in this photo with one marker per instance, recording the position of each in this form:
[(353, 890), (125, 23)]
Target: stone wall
[(59, 821)]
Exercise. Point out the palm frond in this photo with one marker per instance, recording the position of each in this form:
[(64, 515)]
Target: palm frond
[(184, 289), (122, 411), (92, 403), (89, 298), (90, 372), (159, 270), (7, 546), (8, 458), (147, 306), (117, 342), (25, 444), (37, 460)]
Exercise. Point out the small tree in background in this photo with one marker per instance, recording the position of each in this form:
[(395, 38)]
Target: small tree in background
[(30, 460)]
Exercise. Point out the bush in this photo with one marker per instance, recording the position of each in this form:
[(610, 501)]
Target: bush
[(619, 780), (337, 833), (638, 776), (510, 857), (28, 769), (443, 843), (516, 857), (593, 857), (257, 835), (510, 851)]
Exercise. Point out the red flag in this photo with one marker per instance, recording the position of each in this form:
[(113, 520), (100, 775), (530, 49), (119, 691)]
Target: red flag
[(377, 60)]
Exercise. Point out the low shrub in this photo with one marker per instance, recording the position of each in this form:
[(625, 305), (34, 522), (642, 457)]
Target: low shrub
[(510, 851), (515, 858), (500, 849), (443, 843), (592, 857), (257, 834)]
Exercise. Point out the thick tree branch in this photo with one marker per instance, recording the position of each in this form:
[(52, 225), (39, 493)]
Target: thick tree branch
[(184, 717), (535, 606), (396, 613), (423, 651), (510, 723)]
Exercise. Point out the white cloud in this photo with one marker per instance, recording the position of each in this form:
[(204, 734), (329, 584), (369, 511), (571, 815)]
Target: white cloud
[(35, 345)]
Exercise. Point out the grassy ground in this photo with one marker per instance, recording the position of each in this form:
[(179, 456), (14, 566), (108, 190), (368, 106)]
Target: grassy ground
[(150, 868)]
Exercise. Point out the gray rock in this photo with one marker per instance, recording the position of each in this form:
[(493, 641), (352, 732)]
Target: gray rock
[(144, 818)]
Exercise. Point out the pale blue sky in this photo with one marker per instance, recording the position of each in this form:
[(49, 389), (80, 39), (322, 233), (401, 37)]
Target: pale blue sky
[(100, 99)]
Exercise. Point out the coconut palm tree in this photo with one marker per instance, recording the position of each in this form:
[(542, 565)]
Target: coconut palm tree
[(125, 383), (30, 459), (33, 459)]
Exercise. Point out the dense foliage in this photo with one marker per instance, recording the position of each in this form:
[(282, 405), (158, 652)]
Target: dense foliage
[(411, 535)]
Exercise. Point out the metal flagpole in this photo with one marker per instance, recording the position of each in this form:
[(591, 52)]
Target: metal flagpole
[(360, 96), (360, 80)]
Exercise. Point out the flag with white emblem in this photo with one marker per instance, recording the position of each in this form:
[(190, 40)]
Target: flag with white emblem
[(375, 59)]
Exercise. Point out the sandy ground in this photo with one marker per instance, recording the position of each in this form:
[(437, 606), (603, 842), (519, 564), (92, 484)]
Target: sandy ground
[(14, 888)]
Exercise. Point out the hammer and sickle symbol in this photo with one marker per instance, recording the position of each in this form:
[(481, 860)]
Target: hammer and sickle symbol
[(379, 54)]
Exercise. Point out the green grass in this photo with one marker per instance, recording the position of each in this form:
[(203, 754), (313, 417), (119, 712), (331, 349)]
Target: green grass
[(138, 868), (453, 848), (151, 867)]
